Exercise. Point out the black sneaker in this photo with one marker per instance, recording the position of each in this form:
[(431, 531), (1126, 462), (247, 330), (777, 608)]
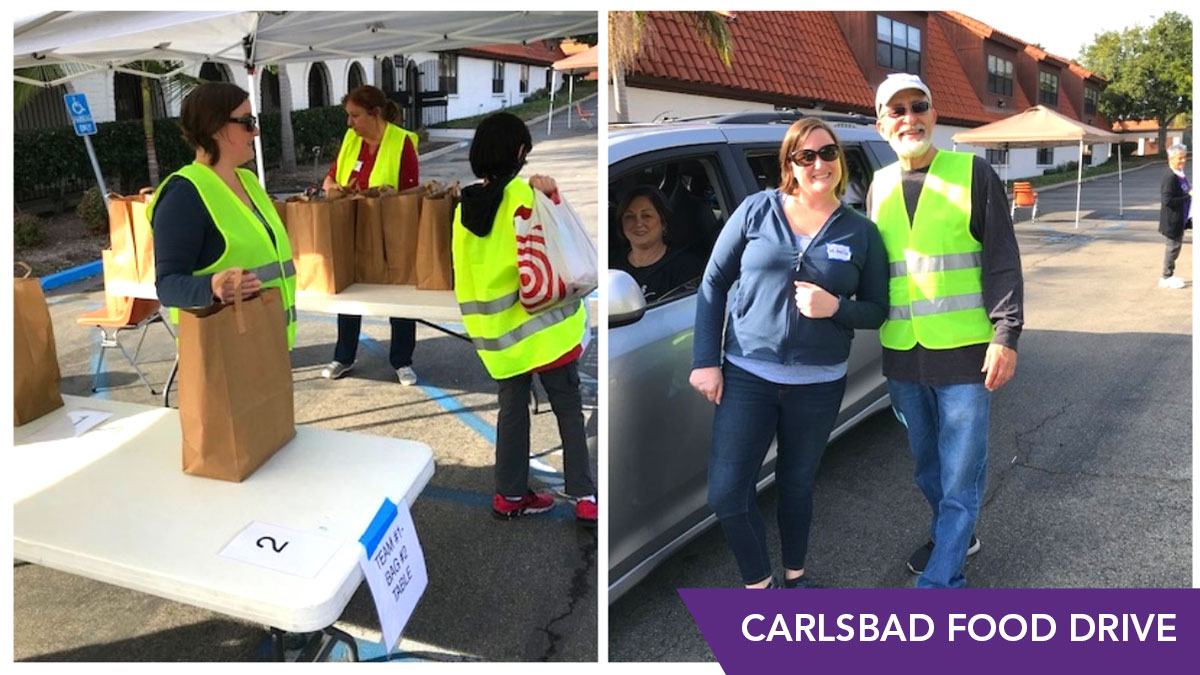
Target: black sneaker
[(920, 557), (801, 581)]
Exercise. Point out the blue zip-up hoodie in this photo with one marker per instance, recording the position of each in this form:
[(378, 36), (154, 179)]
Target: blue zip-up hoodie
[(756, 249)]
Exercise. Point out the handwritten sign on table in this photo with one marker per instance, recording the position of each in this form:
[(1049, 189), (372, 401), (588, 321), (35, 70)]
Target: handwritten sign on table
[(394, 565), (282, 549)]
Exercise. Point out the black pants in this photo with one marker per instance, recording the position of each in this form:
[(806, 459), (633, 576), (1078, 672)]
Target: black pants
[(1171, 254), (400, 353), (512, 431)]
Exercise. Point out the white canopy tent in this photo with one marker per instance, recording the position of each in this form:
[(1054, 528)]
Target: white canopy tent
[(1040, 127), (583, 62), (87, 42)]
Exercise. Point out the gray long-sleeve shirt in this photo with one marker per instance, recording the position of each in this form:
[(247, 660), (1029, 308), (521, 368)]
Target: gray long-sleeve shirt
[(1003, 286)]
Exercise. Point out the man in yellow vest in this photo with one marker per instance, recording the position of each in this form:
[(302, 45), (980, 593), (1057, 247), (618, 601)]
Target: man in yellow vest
[(954, 317)]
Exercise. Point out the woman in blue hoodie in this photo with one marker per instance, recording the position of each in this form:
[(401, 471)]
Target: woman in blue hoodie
[(796, 273)]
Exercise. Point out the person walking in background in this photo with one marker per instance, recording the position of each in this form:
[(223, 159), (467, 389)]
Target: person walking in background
[(512, 343), (809, 272), (375, 152), (212, 216), (1175, 214), (955, 314)]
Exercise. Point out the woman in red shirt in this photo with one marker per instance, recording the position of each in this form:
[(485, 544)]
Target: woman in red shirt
[(386, 155)]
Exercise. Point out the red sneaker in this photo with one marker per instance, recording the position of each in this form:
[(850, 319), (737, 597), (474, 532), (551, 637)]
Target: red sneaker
[(532, 502), (585, 512)]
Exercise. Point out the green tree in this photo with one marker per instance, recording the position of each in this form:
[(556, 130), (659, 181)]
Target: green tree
[(1149, 71), (626, 40)]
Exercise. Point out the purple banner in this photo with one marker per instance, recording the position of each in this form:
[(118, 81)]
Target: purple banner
[(978, 630)]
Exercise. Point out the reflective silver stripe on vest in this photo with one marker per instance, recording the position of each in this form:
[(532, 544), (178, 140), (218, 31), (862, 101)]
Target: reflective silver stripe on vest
[(950, 303), (539, 322), (270, 271), (936, 263), (490, 306), (291, 313)]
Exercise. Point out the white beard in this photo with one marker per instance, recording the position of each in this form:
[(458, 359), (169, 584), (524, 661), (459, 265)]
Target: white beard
[(909, 149)]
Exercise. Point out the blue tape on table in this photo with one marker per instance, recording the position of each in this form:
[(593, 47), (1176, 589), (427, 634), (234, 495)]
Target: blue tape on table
[(383, 519)]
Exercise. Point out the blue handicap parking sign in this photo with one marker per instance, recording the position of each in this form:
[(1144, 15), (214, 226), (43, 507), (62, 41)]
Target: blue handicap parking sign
[(81, 115)]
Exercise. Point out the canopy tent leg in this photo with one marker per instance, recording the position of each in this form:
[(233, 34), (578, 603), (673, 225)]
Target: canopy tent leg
[(550, 117), (1079, 184), (248, 48), (570, 97), (1120, 181)]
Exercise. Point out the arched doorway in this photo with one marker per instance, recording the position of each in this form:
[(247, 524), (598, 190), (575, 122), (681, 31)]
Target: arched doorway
[(388, 85), (318, 86), (356, 77), (127, 95), (215, 72)]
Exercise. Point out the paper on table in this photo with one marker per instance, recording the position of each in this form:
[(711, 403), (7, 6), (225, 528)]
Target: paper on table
[(394, 565), (76, 423), (282, 549), (85, 420)]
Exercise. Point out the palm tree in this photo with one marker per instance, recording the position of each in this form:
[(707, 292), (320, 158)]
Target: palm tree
[(625, 42), (175, 85)]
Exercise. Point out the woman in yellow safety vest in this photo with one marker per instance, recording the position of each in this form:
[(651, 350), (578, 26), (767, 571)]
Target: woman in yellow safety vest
[(212, 216), (375, 152), (512, 343)]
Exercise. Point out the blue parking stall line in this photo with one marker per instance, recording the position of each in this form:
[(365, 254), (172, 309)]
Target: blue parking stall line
[(562, 510), (1114, 228)]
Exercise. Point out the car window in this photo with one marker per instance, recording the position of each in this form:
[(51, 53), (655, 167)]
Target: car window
[(697, 201), (764, 165)]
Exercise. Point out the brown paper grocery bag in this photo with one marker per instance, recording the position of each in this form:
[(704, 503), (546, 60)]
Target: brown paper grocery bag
[(434, 269), (235, 385), (36, 377), (401, 223), (131, 236), (370, 261), (321, 233)]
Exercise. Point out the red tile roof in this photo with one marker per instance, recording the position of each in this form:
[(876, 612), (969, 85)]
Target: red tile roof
[(1146, 125), (536, 53), (764, 67)]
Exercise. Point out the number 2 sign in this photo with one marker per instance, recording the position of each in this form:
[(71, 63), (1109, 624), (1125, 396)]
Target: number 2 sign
[(282, 549)]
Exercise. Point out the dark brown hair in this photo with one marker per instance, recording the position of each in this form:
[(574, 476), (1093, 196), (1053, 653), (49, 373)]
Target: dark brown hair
[(206, 111), (795, 137), (657, 200), (374, 101)]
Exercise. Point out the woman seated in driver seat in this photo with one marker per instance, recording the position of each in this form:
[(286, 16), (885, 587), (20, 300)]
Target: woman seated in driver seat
[(646, 252)]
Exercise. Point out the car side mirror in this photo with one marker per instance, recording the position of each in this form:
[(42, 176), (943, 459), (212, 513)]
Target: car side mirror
[(626, 304)]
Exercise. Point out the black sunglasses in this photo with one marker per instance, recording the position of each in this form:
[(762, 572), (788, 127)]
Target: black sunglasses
[(827, 153), (248, 121), (918, 108)]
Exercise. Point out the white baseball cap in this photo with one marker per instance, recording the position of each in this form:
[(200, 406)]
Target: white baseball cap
[(895, 83)]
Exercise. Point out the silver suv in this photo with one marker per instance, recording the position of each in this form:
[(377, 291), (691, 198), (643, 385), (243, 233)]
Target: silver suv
[(659, 428)]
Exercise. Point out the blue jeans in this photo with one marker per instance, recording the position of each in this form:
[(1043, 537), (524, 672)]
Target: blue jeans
[(752, 412), (947, 433)]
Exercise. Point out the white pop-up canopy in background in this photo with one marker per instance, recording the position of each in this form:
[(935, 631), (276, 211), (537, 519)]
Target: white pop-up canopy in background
[(1040, 127)]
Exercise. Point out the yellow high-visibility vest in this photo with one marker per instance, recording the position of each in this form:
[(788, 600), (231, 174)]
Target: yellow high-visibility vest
[(936, 281), (247, 244), (387, 158), (509, 340)]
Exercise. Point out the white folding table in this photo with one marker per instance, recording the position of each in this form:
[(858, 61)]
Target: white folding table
[(114, 505), (424, 307)]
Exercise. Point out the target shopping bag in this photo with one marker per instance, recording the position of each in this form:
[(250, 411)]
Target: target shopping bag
[(555, 257)]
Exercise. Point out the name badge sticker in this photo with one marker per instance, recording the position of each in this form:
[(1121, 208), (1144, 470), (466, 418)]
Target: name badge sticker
[(837, 251)]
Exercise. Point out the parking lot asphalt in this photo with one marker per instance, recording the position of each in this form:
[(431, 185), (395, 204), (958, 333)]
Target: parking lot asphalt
[(499, 591), (1090, 459)]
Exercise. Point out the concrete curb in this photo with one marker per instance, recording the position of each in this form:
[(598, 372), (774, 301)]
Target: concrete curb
[(1057, 186), (444, 151), (72, 275), (542, 118)]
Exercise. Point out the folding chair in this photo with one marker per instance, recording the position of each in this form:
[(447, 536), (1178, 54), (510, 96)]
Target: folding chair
[(123, 314), (586, 118), (1023, 195)]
